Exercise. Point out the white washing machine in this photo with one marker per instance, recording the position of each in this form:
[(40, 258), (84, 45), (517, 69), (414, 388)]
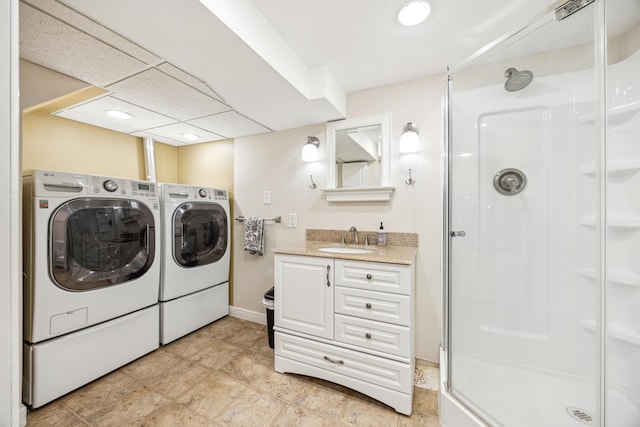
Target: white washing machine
[(194, 285), (92, 277)]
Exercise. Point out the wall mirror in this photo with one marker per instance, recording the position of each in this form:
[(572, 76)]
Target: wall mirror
[(359, 160)]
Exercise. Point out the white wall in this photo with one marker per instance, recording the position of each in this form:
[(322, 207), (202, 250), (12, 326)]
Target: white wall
[(10, 265), (272, 162)]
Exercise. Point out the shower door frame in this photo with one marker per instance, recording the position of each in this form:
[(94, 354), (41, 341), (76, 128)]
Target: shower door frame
[(600, 69)]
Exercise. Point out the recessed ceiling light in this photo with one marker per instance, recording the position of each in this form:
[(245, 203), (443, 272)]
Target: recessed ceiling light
[(190, 137), (414, 13), (119, 114)]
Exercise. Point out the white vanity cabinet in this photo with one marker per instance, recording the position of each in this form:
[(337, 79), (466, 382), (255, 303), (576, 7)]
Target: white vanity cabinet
[(349, 322)]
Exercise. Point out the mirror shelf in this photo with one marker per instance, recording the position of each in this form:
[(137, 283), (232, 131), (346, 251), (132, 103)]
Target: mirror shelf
[(361, 194)]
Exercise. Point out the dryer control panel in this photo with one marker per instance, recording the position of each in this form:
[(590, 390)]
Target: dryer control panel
[(144, 189)]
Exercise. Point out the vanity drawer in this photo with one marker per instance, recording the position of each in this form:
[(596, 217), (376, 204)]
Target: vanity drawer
[(392, 339), (365, 367), (384, 307), (392, 278)]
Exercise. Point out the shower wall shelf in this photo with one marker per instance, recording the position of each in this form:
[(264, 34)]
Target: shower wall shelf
[(613, 276), (616, 115), (614, 330), (618, 168), (613, 222)]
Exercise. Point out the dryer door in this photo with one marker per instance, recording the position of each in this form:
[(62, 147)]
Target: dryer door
[(201, 233), (100, 242)]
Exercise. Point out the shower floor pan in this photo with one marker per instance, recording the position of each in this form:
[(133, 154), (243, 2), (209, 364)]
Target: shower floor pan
[(523, 396)]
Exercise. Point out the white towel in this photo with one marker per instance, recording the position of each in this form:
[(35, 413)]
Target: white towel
[(254, 235)]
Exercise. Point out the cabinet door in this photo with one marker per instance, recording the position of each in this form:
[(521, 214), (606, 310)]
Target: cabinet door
[(304, 295)]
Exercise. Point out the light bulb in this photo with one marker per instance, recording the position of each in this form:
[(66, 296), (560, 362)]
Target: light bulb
[(414, 13)]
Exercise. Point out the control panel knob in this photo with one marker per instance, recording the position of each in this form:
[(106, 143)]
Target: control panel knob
[(202, 192), (110, 185)]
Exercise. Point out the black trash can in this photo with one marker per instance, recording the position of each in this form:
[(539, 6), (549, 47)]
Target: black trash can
[(268, 302)]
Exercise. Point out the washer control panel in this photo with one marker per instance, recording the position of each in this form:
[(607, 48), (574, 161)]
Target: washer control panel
[(109, 186), (220, 194)]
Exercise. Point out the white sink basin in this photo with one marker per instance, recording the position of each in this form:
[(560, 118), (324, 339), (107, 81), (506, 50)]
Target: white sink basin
[(346, 250)]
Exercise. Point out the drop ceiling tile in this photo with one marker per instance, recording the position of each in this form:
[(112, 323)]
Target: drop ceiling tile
[(230, 124), (89, 26), (93, 112), (166, 95), (174, 133), (187, 78), (48, 42)]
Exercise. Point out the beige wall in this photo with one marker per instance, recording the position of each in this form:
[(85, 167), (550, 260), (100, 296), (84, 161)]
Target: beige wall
[(209, 164), (272, 162), (50, 142), (166, 162)]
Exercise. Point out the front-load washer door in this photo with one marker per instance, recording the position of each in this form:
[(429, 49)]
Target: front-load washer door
[(100, 242), (200, 233)]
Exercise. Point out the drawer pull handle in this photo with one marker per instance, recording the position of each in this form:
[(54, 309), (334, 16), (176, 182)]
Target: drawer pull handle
[(368, 305), (368, 336), (369, 276), (337, 362)]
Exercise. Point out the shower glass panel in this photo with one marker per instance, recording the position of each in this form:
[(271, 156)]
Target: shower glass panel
[(622, 302), (542, 295), (523, 346)]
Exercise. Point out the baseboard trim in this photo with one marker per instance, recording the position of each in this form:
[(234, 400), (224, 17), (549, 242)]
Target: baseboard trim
[(250, 315)]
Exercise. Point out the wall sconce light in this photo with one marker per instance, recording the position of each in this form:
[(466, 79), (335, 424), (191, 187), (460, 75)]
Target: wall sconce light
[(409, 140), (310, 149)]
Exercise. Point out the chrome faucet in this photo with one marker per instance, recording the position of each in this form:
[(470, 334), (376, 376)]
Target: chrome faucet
[(355, 235)]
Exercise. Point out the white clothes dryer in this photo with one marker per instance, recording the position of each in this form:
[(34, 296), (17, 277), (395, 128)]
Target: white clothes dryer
[(194, 285), (92, 277)]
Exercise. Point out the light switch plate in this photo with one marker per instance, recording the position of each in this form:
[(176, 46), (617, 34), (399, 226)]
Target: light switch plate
[(293, 220), (267, 197)]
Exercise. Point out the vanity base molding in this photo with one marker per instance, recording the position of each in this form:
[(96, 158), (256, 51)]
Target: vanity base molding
[(386, 380)]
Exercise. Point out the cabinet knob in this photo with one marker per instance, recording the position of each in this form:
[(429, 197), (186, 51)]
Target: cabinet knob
[(369, 276), (368, 336), (368, 305)]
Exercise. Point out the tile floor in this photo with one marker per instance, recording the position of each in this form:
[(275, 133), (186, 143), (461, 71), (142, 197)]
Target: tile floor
[(222, 375)]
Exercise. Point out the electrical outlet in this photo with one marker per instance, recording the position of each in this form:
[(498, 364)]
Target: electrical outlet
[(293, 220), (267, 197)]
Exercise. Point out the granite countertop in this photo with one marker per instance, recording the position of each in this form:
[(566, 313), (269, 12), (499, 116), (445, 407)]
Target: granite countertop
[(386, 254)]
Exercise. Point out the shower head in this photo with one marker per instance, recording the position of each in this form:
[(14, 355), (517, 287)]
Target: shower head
[(517, 80)]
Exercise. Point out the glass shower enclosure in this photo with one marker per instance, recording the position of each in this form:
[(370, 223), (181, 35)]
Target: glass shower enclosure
[(542, 215)]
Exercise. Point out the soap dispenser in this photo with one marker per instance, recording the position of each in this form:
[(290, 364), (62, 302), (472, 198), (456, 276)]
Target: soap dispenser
[(381, 236)]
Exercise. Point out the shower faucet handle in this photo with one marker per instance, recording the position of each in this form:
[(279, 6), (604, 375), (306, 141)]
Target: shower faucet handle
[(460, 233)]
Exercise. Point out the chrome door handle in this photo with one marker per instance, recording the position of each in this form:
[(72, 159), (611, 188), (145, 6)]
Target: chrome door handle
[(147, 237), (328, 281), (460, 233)]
